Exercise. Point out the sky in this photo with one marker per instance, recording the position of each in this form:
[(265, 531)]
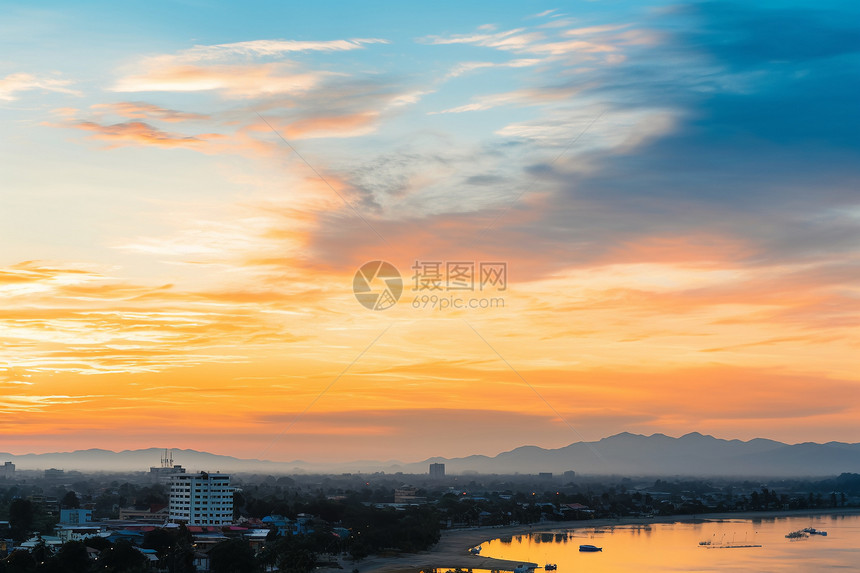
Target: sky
[(604, 216)]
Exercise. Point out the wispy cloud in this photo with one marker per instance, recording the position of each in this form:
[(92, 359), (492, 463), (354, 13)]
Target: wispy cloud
[(262, 48), (220, 67), (544, 13), (584, 41), (467, 67), (513, 40), (135, 124), (337, 126), (143, 110), (36, 402), (525, 97), (12, 86), (233, 80), (140, 133)]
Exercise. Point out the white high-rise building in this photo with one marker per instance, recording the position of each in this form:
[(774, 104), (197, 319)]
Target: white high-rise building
[(201, 499)]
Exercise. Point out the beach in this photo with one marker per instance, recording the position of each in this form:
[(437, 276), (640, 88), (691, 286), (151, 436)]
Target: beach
[(452, 551)]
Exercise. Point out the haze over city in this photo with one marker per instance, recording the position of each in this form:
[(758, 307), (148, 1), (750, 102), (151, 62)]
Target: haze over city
[(663, 197)]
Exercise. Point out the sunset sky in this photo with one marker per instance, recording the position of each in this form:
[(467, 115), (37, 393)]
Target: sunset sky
[(187, 190)]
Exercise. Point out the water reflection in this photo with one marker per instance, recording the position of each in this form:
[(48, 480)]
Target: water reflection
[(702, 545)]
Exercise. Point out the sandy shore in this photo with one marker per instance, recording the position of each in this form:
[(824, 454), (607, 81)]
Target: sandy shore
[(452, 551)]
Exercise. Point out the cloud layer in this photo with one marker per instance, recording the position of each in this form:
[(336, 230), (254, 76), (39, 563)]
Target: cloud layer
[(673, 191)]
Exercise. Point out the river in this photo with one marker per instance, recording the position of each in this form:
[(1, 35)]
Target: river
[(703, 545)]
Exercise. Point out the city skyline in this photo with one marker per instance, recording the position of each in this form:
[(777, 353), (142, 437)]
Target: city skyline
[(189, 190)]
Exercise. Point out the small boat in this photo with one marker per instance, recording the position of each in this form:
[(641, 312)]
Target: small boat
[(524, 568), (813, 531), (590, 548), (475, 550), (550, 567)]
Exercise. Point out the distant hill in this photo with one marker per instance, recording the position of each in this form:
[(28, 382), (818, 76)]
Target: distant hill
[(691, 454), (625, 454)]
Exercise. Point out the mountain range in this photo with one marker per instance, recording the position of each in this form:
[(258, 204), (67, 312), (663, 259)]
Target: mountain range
[(693, 454)]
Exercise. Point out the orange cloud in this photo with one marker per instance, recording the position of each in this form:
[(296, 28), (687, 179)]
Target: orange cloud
[(234, 81), (140, 133), (350, 125), (143, 110)]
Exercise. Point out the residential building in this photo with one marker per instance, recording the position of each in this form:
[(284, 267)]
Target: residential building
[(8, 470), (437, 471), (54, 473), (155, 513), (407, 494), (75, 516), (201, 499), (68, 533)]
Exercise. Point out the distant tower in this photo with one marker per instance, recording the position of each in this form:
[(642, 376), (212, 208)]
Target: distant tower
[(167, 470), (437, 471), (9, 470)]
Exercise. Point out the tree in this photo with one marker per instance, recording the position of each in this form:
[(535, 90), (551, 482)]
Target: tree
[(160, 540), (357, 551), (20, 561), (41, 553), (232, 556), (122, 558), (181, 559), (22, 516), (98, 543), (72, 558), (70, 501)]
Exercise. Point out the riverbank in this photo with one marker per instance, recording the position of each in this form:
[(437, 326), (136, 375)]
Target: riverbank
[(452, 551)]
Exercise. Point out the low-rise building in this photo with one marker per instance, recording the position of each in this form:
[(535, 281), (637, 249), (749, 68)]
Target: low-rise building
[(406, 494), (75, 516), (68, 533), (155, 513), (54, 473)]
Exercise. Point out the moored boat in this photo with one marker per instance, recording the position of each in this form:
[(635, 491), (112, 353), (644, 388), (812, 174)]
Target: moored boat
[(590, 548), (550, 567)]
